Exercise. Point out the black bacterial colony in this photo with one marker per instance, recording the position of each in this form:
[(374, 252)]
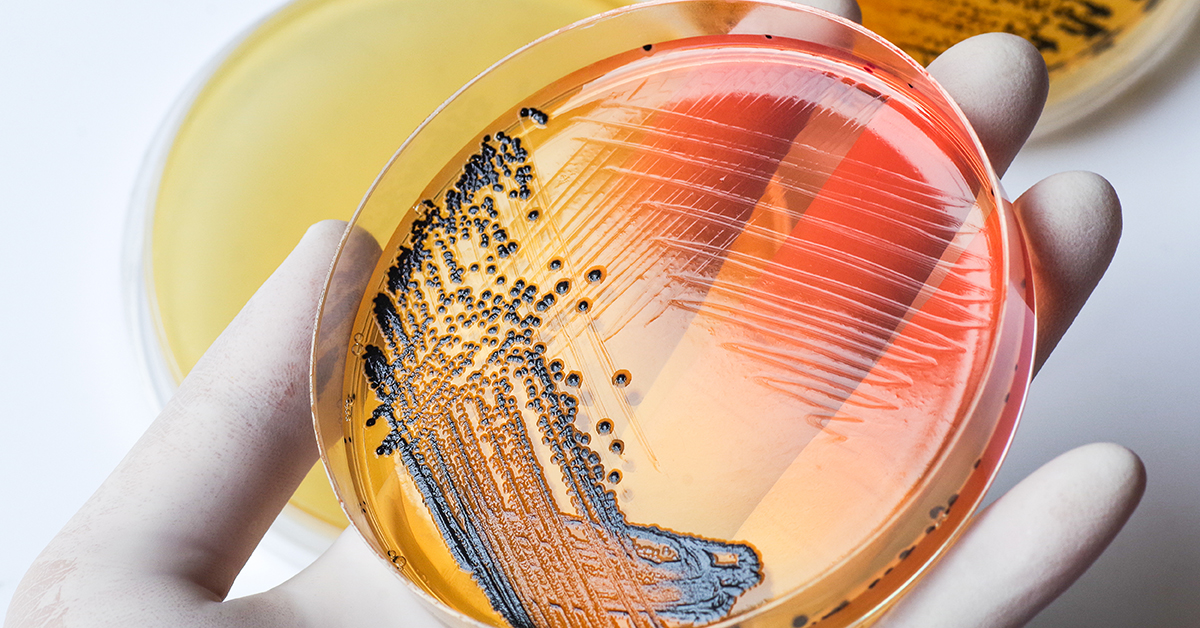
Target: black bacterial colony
[(451, 405)]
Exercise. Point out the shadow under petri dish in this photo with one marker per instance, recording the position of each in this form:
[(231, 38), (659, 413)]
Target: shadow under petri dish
[(289, 128), (807, 333)]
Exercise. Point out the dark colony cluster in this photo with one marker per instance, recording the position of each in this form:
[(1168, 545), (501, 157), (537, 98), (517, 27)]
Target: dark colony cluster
[(460, 377)]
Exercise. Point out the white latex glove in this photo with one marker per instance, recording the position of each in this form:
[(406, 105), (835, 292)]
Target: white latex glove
[(163, 538)]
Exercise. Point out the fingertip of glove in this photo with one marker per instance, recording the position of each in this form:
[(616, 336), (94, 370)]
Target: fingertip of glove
[(1000, 83)]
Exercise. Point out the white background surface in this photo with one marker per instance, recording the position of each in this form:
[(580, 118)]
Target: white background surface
[(84, 85)]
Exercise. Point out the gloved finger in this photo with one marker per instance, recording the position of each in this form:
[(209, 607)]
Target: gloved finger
[(1028, 547), (350, 586), (1000, 83), (1072, 223), (844, 8), (176, 520)]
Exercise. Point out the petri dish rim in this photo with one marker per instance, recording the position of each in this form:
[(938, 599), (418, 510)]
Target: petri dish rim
[(1145, 51)]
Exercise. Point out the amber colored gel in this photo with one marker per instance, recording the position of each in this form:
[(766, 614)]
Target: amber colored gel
[(682, 334)]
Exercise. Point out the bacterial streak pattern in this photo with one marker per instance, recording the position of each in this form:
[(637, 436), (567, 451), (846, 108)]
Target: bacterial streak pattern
[(458, 370)]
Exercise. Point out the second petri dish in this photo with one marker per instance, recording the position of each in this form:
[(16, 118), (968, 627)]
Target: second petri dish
[(1094, 49), (695, 313)]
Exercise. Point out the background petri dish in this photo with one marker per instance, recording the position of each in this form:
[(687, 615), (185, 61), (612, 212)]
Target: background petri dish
[(697, 312), (1094, 49), (287, 128)]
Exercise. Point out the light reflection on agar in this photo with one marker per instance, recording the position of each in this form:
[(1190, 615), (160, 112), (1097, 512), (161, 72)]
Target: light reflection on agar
[(793, 272)]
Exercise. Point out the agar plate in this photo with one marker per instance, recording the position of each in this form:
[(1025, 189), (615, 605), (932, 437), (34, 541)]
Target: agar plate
[(698, 312)]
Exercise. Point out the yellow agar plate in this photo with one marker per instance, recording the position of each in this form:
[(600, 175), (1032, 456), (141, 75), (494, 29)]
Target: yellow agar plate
[(291, 127)]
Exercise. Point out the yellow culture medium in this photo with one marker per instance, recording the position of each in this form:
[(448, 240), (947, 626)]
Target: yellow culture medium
[(291, 128)]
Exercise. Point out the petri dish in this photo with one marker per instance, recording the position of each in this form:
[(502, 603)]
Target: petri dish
[(698, 312), (1094, 49), (285, 128)]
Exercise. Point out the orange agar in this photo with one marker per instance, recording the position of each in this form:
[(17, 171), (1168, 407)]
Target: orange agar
[(727, 326)]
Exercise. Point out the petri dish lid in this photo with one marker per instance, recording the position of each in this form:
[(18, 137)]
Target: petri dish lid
[(698, 312)]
